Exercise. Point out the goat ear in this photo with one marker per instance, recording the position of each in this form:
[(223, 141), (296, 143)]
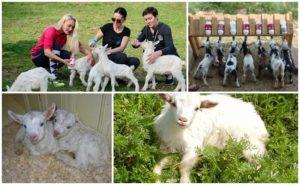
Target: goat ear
[(16, 117), (166, 97), (49, 113), (105, 46), (207, 104)]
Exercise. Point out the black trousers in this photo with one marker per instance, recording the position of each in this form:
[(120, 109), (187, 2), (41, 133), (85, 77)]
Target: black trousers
[(121, 58), (44, 61)]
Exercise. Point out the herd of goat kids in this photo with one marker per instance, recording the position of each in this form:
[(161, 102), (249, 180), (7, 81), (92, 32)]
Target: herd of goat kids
[(278, 61), (106, 69)]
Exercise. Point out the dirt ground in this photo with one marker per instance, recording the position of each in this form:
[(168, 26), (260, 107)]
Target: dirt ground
[(24, 168), (265, 83)]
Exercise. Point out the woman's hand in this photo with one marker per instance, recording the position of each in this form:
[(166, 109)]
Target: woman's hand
[(152, 56), (108, 51), (67, 62), (135, 43)]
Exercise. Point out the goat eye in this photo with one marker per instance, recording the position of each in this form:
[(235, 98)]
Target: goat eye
[(54, 119), (68, 127), (173, 104), (24, 126), (41, 124), (197, 108)]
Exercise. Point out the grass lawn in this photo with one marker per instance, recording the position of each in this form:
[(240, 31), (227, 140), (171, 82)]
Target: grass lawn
[(136, 146), (23, 24)]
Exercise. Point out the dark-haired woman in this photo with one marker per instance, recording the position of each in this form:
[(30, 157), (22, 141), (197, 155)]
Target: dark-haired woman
[(156, 31), (116, 35)]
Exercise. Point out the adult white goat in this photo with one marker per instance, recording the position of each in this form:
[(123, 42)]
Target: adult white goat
[(111, 70), (90, 148), (190, 122), (166, 64), (36, 132), (36, 78)]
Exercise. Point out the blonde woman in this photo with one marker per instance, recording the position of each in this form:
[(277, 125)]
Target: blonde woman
[(49, 53)]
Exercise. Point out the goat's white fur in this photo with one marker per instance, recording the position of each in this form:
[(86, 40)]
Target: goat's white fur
[(218, 118), (90, 147), (81, 66), (166, 64), (36, 78), (38, 134), (248, 67)]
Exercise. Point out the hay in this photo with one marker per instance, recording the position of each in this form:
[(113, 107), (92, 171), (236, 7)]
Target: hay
[(26, 168)]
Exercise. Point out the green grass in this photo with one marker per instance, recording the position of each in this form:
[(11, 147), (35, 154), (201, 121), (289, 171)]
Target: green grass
[(136, 146), (246, 7), (23, 24)]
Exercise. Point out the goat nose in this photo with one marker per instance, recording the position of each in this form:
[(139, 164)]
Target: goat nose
[(33, 137), (183, 119), (56, 133)]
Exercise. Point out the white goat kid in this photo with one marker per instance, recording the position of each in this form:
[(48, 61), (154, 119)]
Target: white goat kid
[(166, 64), (204, 65), (95, 76), (90, 148), (81, 66), (36, 132), (113, 70), (277, 65), (190, 122), (36, 78), (248, 65)]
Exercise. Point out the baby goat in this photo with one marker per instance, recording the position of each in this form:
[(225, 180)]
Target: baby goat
[(287, 59), (220, 61), (113, 70), (166, 64), (190, 122), (36, 78), (90, 148), (36, 132), (248, 66), (277, 65), (264, 60), (204, 65), (231, 65), (81, 66)]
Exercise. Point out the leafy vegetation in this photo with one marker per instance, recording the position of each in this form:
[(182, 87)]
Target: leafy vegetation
[(23, 24), (136, 146), (246, 7)]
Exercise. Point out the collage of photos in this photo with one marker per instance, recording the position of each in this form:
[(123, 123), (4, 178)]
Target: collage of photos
[(150, 92)]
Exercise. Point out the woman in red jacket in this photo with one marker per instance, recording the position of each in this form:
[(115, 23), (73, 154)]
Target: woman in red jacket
[(49, 51)]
